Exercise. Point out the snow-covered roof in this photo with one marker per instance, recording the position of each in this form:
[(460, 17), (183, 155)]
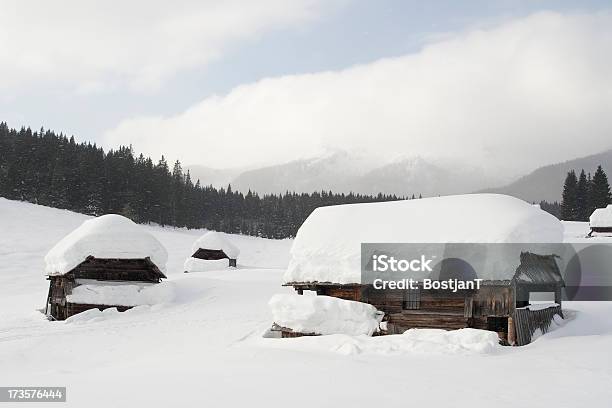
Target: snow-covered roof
[(601, 217), (327, 246), (108, 236), (216, 241)]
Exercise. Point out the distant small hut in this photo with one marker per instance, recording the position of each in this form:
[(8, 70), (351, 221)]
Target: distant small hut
[(326, 259), (601, 221), (212, 251), (107, 262)]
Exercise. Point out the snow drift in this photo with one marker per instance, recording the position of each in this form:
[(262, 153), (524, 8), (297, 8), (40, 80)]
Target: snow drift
[(94, 292), (108, 236), (216, 241), (423, 341), (324, 315), (205, 265), (327, 246)]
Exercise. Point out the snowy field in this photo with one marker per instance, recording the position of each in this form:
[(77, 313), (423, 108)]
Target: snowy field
[(205, 348)]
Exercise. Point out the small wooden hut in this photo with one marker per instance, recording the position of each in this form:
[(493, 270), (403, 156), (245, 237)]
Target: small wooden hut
[(107, 262), (212, 251), (326, 258), (601, 221)]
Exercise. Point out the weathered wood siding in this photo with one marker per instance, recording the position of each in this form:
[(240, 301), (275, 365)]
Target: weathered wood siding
[(132, 270), (493, 300), (527, 321), (492, 307), (139, 270)]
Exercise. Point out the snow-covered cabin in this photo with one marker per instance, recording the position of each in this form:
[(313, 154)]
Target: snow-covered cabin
[(108, 261), (601, 220), (212, 251), (326, 258)]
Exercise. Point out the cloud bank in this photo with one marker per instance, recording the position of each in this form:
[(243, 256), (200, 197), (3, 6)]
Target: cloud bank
[(93, 46), (511, 97)]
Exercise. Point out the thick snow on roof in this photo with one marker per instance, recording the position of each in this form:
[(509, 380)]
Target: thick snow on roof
[(601, 217), (108, 236), (327, 246), (216, 241), (324, 315)]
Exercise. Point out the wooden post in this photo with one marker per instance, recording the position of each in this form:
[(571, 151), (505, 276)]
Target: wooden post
[(558, 295), (511, 331)]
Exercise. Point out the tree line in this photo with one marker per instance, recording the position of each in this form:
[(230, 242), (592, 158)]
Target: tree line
[(50, 169), (583, 194)]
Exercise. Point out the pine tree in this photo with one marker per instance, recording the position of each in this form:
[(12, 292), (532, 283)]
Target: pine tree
[(582, 197), (600, 189), (569, 208), (55, 170)]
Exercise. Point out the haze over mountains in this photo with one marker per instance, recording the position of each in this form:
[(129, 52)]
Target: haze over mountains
[(546, 183), (344, 172)]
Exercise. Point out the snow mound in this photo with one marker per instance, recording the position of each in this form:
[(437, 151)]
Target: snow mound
[(327, 246), (96, 315), (466, 341), (205, 265), (601, 217), (437, 341), (324, 315), (121, 293), (216, 241), (108, 236), (92, 315)]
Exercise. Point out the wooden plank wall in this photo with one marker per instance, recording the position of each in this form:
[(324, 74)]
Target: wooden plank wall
[(528, 321), (116, 269)]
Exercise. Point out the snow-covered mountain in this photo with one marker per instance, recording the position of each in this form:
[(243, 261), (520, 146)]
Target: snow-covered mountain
[(345, 172), (337, 172), (546, 183)]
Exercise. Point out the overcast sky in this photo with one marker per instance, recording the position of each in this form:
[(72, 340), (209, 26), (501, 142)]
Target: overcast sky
[(508, 84)]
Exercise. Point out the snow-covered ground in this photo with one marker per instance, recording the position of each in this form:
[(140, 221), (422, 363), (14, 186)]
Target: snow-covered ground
[(205, 347)]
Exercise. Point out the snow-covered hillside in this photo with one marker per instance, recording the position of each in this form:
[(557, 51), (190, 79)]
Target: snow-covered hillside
[(206, 346)]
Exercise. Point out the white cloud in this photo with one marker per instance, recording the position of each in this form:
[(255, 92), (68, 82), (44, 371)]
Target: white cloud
[(526, 92), (93, 46)]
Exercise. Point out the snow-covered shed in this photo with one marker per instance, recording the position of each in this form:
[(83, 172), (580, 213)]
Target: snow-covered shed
[(326, 258), (601, 220), (212, 251), (108, 261)]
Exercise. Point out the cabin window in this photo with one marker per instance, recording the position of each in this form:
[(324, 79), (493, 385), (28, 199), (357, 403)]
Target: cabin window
[(412, 299)]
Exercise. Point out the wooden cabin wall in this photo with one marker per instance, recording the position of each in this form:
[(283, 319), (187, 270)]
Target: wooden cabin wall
[(436, 308), (59, 287), (135, 270), (493, 300), (341, 292), (60, 308), (528, 321), (210, 254), (139, 270)]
